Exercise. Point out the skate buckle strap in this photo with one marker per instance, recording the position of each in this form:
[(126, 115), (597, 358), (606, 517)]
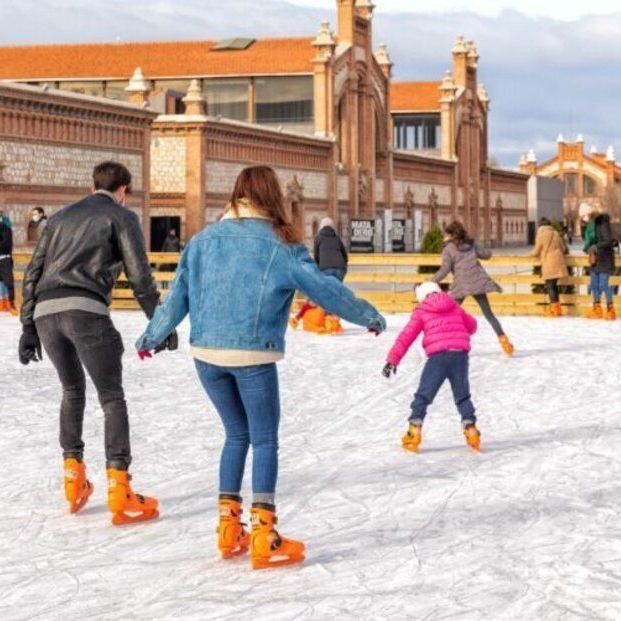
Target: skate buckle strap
[(71, 474)]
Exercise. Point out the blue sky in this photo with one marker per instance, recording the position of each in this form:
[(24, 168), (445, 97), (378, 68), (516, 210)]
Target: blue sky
[(549, 66)]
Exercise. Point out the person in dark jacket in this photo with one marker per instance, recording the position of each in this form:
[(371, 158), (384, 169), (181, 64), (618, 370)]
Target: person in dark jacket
[(603, 252), (330, 252), (67, 291), (38, 221), (172, 243), (6, 262)]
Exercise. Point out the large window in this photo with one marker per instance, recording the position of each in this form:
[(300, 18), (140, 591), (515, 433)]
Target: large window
[(284, 101), (571, 184), (115, 89), (414, 132), (589, 186), (227, 98)]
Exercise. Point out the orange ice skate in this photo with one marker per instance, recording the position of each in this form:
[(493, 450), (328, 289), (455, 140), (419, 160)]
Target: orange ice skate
[(412, 439), (555, 310), (126, 506), (314, 320), (267, 547), (333, 325), (77, 487), (596, 312), (611, 315), (473, 437), (506, 345), (232, 536)]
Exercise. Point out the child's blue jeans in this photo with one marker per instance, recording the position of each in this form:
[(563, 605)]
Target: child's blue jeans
[(451, 366), (248, 402), (599, 286)]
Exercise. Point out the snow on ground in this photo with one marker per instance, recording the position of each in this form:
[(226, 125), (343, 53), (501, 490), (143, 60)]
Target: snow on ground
[(529, 529)]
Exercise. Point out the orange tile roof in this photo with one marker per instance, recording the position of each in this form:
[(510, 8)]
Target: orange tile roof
[(415, 96), (157, 59)]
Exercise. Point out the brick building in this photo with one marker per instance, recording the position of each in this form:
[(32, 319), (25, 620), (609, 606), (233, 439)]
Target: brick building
[(345, 138), (49, 142), (592, 180)]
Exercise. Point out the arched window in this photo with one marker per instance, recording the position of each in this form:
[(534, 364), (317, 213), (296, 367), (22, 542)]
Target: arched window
[(589, 186)]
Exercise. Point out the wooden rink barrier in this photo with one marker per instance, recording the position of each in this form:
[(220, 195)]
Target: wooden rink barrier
[(387, 281)]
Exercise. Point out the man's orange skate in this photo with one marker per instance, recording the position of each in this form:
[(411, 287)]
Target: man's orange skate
[(412, 439), (126, 506), (232, 536), (473, 437), (611, 314), (267, 547), (77, 487), (333, 325), (596, 312)]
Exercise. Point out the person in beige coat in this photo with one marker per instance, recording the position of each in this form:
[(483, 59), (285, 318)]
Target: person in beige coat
[(551, 250)]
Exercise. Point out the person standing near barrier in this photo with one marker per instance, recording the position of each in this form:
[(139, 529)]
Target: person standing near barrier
[(461, 257), (6, 264), (67, 291), (236, 279), (602, 261), (550, 249)]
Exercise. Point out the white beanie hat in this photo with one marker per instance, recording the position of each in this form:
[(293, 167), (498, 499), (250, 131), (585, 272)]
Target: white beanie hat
[(326, 222), (425, 289)]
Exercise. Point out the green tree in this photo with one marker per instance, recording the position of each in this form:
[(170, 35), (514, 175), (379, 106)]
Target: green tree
[(432, 243)]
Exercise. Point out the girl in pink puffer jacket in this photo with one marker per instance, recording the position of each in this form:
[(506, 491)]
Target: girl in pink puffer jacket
[(446, 329)]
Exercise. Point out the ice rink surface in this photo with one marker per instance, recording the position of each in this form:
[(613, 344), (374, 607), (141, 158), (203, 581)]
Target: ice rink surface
[(528, 529)]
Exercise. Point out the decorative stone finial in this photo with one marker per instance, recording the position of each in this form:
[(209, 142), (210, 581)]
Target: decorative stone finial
[(580, 139), (593, 150), (365, 8), (324, 42), (137, 91), (448, 83), (195, 100), (610, 154), (483, 94), (137, 82), (460, 47), (531, 158), (522, 159), (560, 139), (382, 56)]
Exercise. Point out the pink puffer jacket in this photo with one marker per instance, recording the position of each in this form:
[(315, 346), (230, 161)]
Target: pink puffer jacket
[(445, 324)]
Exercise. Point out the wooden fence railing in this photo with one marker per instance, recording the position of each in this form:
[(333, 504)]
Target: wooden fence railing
[(387, 281)]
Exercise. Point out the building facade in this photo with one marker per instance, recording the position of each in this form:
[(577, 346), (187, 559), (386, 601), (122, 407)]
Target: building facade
[(50, 141), (592, 181), (346, 139)]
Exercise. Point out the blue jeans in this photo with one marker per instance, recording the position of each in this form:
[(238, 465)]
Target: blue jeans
[(336, 272), (248, 402), (599, 285), (451, 365)]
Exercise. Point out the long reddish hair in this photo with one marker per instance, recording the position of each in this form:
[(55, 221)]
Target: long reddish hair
[(260, 186)]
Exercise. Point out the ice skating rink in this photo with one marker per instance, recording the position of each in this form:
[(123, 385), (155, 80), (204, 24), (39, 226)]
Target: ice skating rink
[(529, 529)]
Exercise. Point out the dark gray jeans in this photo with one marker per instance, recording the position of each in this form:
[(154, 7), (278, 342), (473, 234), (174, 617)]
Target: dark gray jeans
[(75, 340)]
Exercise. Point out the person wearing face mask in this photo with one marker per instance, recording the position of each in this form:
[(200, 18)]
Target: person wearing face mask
[(7, 300), (67, 291), (37, 223)]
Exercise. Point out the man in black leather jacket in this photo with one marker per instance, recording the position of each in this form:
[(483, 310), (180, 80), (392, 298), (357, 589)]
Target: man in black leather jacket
[(67, 291)]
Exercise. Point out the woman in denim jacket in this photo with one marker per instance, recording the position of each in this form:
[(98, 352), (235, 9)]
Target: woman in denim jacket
[(237, 279)]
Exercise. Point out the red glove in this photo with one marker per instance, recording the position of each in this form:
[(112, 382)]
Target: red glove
[(143, 354)]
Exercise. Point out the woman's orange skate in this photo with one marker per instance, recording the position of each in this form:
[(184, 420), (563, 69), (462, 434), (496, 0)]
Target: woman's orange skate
[(126, 506), (267, 547), (232, 536), (77, 487), (412, 439), (473, 437)]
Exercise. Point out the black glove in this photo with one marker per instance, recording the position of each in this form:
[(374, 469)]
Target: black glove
[(377, 326), (29, 345), (389, 369), (171, 343)]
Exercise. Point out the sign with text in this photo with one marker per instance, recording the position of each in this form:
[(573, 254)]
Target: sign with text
[(362, 235), (398, 235)]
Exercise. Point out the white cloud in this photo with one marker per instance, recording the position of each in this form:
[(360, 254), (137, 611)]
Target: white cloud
[(556, 9)]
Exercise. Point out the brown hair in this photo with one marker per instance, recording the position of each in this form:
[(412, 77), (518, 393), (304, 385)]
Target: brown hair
[(259, 185), (457, 231)]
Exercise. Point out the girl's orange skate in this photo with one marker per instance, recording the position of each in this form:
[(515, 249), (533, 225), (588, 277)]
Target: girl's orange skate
[(267, 547), (412, 439), (77, 487), (473, 437), (333, 325), (506, 345), (232, 536), (126, 506)]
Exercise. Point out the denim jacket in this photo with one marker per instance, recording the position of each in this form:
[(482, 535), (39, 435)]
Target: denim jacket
[(237, 280)]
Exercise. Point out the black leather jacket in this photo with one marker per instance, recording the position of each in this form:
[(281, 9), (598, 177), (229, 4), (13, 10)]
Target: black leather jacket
[(82, 251)]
